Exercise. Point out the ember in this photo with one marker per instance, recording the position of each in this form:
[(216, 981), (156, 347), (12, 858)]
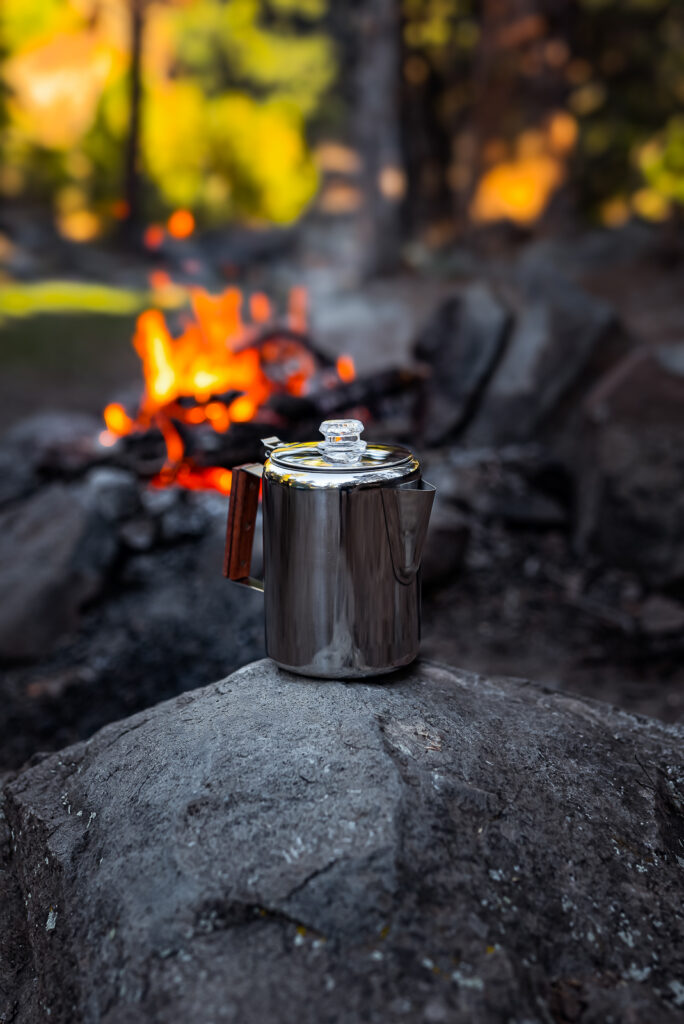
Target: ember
[(221, 370), (181, 224)]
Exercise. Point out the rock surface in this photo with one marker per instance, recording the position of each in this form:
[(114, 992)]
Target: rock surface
[(461, 344), (517, 484), (562, 339), (436, 847), (56, 441), (166, 621), (55, 550), (630, 466), (47, 441)]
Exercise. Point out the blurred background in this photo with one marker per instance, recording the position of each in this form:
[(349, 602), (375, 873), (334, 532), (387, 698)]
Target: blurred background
[(459, 220)]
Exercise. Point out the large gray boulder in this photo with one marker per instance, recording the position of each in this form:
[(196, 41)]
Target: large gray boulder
[(461, 344), (562, 340), (431, 847), (629, 458), (55, 550)]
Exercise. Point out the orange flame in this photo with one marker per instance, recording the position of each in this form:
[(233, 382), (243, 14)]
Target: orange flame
[(259, 308), (216, 373), (117, 419), (345, 369)]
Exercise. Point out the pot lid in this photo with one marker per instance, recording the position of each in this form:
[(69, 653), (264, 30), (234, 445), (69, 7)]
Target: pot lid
[(341, 459)]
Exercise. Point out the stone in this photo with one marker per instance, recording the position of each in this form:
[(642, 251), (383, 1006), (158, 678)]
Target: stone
[(432, 846), (659, 616), (55, 551), (561, 337), (519, 485), (114, 493), (594, 251), (184, 520), (461, 344), (57, 442), (17, 476), (166, 622), (138, 533), (629, 460), (156, 501)]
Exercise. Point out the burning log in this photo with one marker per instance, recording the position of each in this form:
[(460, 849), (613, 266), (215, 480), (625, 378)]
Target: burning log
[(363, 392), (210, 453), (220, 372), (280, 334), (213, 391)]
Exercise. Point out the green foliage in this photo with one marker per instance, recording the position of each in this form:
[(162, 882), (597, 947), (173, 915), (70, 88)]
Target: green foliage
[(229, 87), (616, 65), (232, 86), (23, 21), (635, 55), (236, 43), (662, 161), (440, 29)]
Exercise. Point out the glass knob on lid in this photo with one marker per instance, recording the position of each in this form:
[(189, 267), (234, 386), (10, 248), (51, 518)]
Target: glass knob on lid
[(342, 440)]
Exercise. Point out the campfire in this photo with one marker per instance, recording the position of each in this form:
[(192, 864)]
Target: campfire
[(231, 357)]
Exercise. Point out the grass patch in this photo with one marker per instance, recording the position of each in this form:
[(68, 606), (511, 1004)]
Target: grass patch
[(21, 300), (64, 361), (69, 344)]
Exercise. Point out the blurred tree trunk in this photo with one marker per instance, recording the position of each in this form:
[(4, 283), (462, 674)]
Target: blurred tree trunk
[(426, 145), (376, 117), (132, 151)]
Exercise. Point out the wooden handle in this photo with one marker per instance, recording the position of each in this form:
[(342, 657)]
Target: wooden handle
[(244, 502)]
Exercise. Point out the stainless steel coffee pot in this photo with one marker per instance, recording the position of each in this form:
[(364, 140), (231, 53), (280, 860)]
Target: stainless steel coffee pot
[(344, 525)]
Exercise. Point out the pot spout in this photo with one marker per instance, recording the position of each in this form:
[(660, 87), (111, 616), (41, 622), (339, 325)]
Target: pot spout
[(407, 514)]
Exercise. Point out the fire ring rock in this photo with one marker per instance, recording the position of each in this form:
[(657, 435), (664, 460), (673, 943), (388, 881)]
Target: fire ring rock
[(55, 550), (438, 847), (630, 463)]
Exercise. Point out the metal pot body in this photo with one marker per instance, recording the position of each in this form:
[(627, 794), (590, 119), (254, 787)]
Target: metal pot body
[(344, 526), (334, 606)]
